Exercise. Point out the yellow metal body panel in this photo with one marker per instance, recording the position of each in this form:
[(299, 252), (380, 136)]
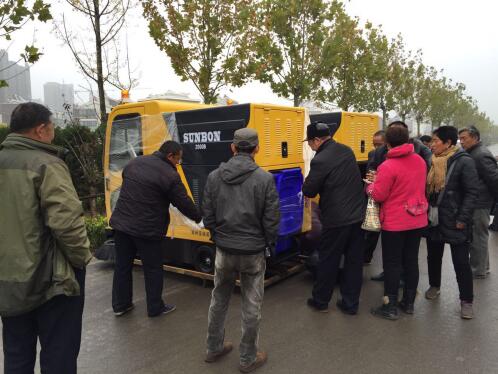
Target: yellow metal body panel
[(277, 124), (274, 124), (154, 133), (356, 128)]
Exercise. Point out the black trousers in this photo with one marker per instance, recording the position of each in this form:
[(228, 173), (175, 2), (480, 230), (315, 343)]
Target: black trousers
[(371, 239), (335, 242), (400, 256), (57, 324), (461, 263), (150, 253)]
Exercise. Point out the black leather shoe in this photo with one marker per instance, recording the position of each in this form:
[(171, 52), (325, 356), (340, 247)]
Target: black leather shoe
[(378, 277), (316, 306), (406, 307), (407, 302), (388, 310), (345, 310)]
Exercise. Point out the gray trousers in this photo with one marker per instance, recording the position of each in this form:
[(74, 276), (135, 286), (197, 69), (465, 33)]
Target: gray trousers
[(252, 274), (479, 255)]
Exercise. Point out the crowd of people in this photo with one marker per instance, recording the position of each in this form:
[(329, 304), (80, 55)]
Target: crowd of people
[(443, 193)]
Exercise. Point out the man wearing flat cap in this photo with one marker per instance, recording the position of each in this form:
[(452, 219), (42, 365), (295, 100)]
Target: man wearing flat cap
[(335, 176), (241, 210)]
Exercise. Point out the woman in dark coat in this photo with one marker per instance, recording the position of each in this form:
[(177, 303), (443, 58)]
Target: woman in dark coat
[(455, 209)]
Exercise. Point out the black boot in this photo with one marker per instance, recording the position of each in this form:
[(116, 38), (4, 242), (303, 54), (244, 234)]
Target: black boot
[(388, 309), (407, 303)]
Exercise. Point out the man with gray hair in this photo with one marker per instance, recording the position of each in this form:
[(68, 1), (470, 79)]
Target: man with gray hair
[(241, 210), (487, 171)]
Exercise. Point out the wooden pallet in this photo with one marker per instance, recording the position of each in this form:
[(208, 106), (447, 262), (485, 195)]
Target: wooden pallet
[(273, 275)]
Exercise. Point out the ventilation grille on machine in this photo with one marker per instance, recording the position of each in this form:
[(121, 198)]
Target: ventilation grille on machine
[(267, 133), (278, 135), (195, 190), (280, 130)]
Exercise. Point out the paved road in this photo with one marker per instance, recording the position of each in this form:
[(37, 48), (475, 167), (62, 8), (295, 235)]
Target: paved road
[(298, 340)]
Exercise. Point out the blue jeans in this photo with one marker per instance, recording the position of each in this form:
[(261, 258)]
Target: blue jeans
[(252, 275)]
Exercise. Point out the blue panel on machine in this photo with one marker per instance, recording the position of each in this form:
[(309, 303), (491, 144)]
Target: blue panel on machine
[(289, 184)]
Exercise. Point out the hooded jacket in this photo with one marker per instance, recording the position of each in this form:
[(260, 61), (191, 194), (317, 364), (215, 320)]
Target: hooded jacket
[(335, 176), (458, 204), (42, 231), (150, 184), (400, 190), (241, 206)]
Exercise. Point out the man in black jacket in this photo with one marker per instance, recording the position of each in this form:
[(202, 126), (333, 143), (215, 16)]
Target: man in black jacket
[(241, 210), (140, 220), (335, 176), (380, 153), (487, 183)]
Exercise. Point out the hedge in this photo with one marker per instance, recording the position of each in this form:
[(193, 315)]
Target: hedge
[(95, 228)]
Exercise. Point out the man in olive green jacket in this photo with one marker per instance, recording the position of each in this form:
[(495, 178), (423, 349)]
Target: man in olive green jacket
[(43, 248)]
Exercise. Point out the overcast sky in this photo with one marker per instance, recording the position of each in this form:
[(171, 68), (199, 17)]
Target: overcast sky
[(459, 36)]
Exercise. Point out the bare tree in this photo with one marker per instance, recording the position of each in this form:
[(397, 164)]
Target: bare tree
[(100, 62)]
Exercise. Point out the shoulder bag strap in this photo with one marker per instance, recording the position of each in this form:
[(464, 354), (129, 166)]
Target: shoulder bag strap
[(441, 194)]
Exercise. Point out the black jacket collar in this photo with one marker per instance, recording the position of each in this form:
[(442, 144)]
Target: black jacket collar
[(474, 147), (325, 145), (163, 158)]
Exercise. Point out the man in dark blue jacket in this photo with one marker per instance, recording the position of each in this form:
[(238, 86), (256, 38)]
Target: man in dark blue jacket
[(335, 176), (140, 220)]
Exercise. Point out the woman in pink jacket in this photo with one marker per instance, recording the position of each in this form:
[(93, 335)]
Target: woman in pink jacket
[(399, 187)]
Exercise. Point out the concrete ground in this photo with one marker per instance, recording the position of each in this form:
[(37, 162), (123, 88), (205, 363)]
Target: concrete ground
[(298, 340)]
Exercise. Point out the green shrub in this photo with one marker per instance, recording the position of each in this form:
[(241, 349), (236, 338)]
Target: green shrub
[(4, 131), (95, 228)]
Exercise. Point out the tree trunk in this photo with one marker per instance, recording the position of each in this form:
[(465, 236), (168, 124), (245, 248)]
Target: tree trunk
[(100, 75), (92, 202), (418, 128), (384, 118), (208, 97), (297, 101)]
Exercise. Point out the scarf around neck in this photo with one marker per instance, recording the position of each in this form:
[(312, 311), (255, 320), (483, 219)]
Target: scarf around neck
[(436, 178)]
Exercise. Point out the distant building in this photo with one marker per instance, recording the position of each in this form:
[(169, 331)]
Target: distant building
[(17, 77), (59, 98), (6, 110), (87, 114)]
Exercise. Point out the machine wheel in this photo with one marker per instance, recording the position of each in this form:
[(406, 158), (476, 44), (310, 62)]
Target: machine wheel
[(204, 259)]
